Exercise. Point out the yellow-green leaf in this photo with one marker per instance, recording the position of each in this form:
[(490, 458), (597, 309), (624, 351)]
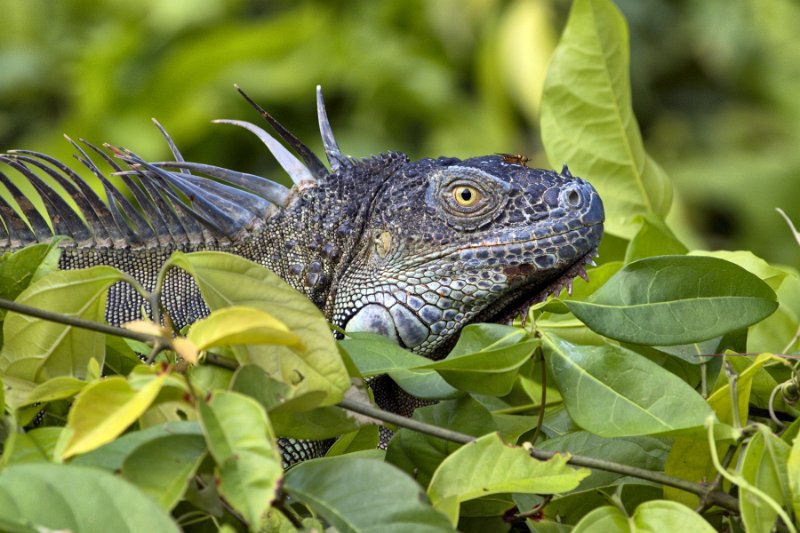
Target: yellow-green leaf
[(587, 119), (490, 466), (103, 410), (231, 326)]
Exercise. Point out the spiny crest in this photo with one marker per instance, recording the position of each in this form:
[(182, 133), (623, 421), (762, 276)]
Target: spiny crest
[(178, 202)]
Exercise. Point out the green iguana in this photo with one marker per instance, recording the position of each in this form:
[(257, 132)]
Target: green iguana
[(413, 250)]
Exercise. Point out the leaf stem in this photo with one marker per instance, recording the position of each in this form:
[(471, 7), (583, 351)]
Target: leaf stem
[(540, 418), (733, 381), (741, 482), (703, 490), (523, 408)]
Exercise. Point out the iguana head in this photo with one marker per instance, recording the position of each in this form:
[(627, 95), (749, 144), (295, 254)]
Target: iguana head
[(450, 242)]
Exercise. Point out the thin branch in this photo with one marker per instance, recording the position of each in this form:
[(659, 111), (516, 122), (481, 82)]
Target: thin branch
[(402, 421), (719, 498), (716, 485), (220, 361), (79, 322)]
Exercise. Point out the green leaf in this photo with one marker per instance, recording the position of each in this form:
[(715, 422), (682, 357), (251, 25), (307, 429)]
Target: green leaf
[(587, 120), (690, 458), (58, 388), (231, 326), (163, 466), (253, 381), (490, 466), (103, 410), (355, 494), (648, 453), (793, 470), (486, 359), (420, 454), (21, 268), (364, 438), (771, 334), (112, 456), (653, 238), (243, 445), (16, 391), (425, 384), (375, 354), (37, 349), (747, 369), (75, 498), (227, 280), (649, 517), (120, 357), (614, 392), (34, 446), (764, 465), (292, 418), (676, 300)]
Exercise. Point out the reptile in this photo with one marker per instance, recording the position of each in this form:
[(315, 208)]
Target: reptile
[(413, 250)]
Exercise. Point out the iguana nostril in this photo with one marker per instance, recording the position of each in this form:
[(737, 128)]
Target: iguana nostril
[(573, 198)]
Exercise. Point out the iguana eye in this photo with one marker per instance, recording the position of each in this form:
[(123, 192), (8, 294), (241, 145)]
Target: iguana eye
[(466, 196)]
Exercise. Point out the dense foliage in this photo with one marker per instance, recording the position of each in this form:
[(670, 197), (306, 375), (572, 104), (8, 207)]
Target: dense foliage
[(658, 395)]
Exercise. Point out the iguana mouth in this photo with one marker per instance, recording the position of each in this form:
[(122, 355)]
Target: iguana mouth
[(518, 305)]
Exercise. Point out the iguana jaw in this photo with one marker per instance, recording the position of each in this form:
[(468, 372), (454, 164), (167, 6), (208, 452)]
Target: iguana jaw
[(518, 305)]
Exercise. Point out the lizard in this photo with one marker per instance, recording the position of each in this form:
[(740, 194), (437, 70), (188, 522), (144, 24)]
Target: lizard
[(413, 250)]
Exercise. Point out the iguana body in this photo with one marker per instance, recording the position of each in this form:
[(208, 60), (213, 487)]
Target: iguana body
[(411, 250)]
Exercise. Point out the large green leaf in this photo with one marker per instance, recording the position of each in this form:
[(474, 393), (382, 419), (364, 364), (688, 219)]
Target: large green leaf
[(163, 466), (650, 517), (57, 388), (587, 120), (615, 392), (242, 443), (671, 300), (112, 456), (37, 349), (486, 359), (226, 280), (315, 423), (34, 446), (419, 454), (653, 238), (375, 354), (50, 497), (490, 466), (764, 466), (376, 497), (21, 268), (648, 453), (793, 470)]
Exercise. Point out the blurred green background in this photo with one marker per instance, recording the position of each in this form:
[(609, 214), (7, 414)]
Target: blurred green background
[(716, 87)]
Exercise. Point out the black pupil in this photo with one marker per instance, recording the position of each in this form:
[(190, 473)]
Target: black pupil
[(466, 195)]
